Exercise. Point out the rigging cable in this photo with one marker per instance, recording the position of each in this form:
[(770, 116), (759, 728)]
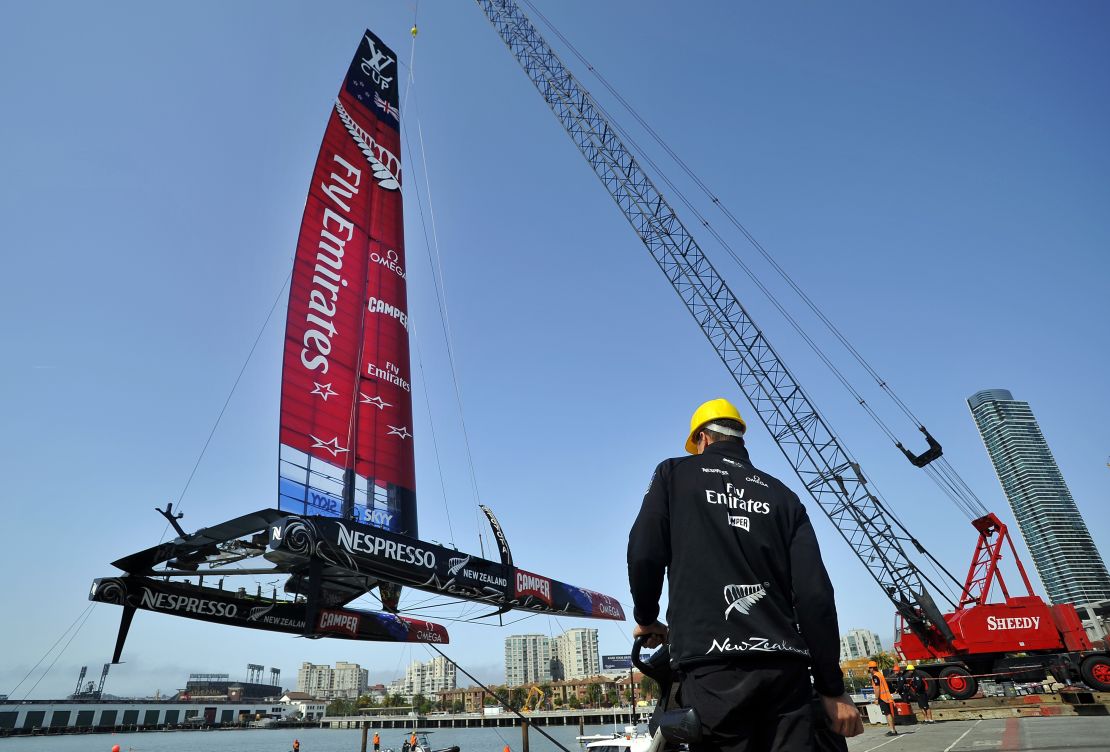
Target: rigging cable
[(88, 613), (503, 700), (230, 394), (440, 287), (415, 339), (11, 693), (970, 500)]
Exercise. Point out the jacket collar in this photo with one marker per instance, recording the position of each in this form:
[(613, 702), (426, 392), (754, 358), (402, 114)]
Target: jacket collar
[(734, 449)]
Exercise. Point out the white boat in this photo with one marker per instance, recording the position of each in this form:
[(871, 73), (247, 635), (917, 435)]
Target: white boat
[(629, 740)]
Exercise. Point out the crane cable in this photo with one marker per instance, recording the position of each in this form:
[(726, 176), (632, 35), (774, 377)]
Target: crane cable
[(573, 107), (948, 479), (715, 313)]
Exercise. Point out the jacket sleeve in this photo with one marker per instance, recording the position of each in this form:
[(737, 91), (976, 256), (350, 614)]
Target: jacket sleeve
[(815, 607), (649, 549)]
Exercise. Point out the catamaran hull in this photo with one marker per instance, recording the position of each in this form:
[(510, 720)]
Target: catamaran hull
[(346, 547), (221, 607)]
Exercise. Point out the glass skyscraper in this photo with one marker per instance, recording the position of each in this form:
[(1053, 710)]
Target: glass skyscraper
[(1065, 556)]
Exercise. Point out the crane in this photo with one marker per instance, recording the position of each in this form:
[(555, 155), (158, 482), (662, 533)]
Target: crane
[(828, 471)]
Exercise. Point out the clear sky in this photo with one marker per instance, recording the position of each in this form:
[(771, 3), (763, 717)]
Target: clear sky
[(936, 176)]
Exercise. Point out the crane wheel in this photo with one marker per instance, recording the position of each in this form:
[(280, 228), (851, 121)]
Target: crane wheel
[(1095, 671), (932, 687), (958, 683)]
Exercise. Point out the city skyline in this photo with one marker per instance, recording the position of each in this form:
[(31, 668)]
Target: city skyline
[(910, 193)]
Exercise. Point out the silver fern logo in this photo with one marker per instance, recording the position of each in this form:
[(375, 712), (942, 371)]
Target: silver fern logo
[(742, 597), (455, 565), (386, 166), (258, 612)]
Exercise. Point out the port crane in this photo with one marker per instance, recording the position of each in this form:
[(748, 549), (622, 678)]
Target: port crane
[(977, 637)]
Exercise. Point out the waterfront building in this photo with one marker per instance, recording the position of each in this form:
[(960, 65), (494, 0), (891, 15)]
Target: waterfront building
[(473, 699), (1057, 537), (346, 680), (859, 643), (307, 707), (577, 654), (527, 659), (220, 688), (53, 716), (429, 678)]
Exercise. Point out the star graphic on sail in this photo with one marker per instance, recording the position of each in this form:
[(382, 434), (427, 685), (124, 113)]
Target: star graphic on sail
[(377, 402), (402, 431), (331, 445), (324, 390)]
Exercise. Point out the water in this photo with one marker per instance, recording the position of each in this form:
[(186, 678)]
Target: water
[(312, 740)]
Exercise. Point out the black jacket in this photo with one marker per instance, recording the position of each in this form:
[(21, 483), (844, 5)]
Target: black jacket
[(743, 566)]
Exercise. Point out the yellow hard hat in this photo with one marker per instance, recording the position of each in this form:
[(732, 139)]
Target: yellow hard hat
[(708, 412), (909, 667)]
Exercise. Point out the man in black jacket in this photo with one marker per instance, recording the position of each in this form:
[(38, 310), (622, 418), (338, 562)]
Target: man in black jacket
[(751, 608)]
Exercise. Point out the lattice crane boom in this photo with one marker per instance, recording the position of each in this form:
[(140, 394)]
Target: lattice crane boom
[(817, 455)]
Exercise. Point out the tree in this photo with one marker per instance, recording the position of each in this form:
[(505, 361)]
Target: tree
[(885, 660), (649, 688), (516, 698), (611, 698), (458, 706), (593, 694), (421, 704), (342, 706), (575, 703)]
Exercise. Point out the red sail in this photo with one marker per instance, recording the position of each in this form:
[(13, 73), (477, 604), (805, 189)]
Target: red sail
[(346, 407)]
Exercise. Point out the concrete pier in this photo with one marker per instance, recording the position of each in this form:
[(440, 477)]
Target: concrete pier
[(504, 719)]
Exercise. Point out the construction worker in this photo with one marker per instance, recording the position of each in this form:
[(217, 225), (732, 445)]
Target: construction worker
[(719, 526), (412, 741), (882, 695), (920, 688), (897, 683), (296, 745), (377, 742)]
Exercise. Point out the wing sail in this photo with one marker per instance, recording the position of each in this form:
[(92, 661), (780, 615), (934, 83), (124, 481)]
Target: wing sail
[(346, 406)]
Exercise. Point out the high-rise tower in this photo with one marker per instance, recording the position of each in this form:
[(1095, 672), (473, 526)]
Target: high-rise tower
[(1065, 556)]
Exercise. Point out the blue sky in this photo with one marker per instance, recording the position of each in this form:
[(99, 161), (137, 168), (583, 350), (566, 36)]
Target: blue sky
[(936, 177)]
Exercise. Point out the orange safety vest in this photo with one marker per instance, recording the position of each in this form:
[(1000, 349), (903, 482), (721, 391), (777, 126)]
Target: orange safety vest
[(377, 739), (882, 691)]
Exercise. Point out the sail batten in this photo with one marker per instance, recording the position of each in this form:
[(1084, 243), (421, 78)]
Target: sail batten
[(346, 407)]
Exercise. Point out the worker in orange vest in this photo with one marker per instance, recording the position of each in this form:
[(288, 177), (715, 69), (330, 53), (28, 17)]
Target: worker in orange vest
[(296, 745), (412, 741), (377, 741), (882, 695)]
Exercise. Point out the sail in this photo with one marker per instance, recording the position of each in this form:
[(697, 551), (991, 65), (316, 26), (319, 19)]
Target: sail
[(346, 407)]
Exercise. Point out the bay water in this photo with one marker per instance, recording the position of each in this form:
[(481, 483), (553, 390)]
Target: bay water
[(312, 740)]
